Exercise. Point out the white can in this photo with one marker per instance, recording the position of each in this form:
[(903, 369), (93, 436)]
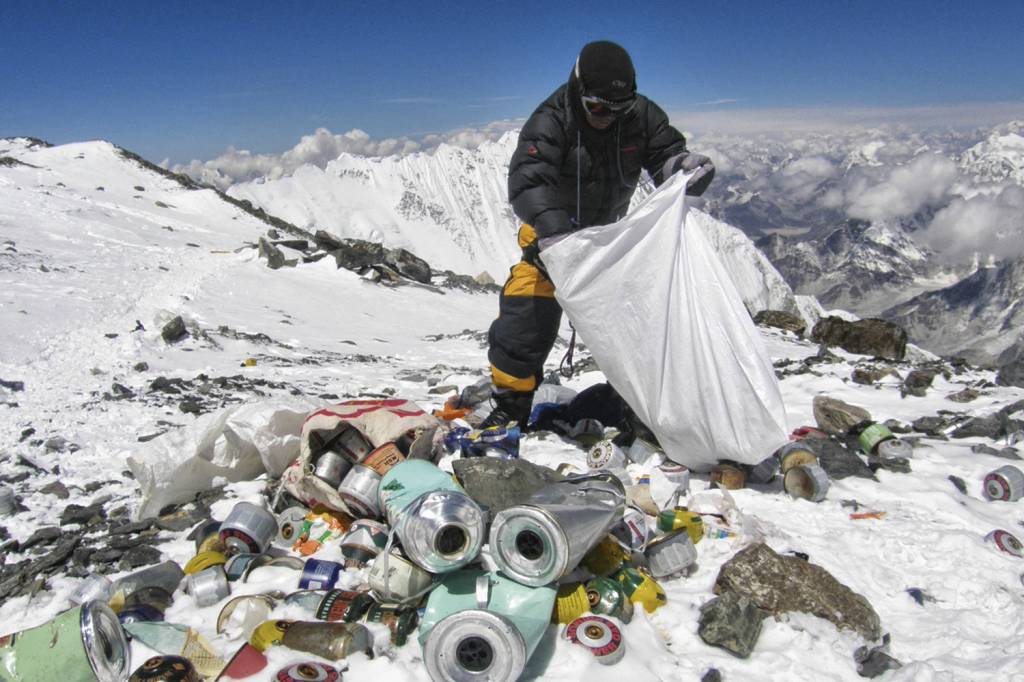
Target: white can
[(671, 554), (359, 491), (393, 578), (606, 455), (806, 481), (1005, 484), (94, 586), (208, 586), (600, 636)]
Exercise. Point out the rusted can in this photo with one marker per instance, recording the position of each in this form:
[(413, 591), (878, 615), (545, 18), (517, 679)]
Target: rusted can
[(400, 620), (84, 644), (320, 575), (1005, 483), (204, 560), (795, 454), (359, 491), (1006, 542), (384, 458), (208, 586), (330, 467), (332, 641), (363, 541), (729, 476), (806, 481), (336, 604), (248, 528), (166, 669), (393, 578), (600, 636), (308, 672), (671, 555), (607, 598)]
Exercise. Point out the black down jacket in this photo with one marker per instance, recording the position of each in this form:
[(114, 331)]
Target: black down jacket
[(543, 174)]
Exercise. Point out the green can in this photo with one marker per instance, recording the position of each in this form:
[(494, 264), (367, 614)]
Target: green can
[(85, 644), (871, 436)]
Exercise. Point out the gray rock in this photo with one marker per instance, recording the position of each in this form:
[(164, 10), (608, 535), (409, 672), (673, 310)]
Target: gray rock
[(781, 320), (190, 407), (136, 527), (275, 257), (1012, 373), (106, 556), (296, 244), (874, 661), (965, 396), (57, 489), (987, 427), (868, 337), (712, 675), (780, 584), (731, 622), (327, 241), (918, 382), (837, 461), (75, 513), (836, 417), (868, 375), (959, 483), (140, 366), (356, 254), (43, 536), (496, 483), (931, 426), (57, 444), (143, 555), (174, 330)]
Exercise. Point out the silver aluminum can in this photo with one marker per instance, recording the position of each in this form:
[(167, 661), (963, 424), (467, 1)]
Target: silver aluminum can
[(167, 575), (8, 504), (289, 526), (893, 448), (1005, 483), (393, 578), (538, 542), (330, 467), (600, 636), (359, 491), (248, 528), (442, 530), (806, 481), (765, 470), (353, 444), (606, 455), (94, 586), (208, 586), (671, 554), (474, 645)]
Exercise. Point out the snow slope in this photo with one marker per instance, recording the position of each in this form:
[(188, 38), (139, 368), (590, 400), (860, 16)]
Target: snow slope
[(320, 334)]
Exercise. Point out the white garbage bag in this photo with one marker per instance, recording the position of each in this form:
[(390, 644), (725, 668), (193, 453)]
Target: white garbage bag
[(653, 303), (236, 444)]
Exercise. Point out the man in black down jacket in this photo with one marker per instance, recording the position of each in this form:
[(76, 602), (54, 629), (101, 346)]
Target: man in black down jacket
[(577, 164)]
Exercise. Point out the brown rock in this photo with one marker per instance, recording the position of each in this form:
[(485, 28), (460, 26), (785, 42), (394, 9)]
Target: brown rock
[(780, 319), (868, 337), (835, 416)]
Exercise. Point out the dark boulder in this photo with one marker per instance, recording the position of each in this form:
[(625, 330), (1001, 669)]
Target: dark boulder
[(408, 265), (867, 337), (357, 254), (174, 330), (780, 319), (731, 622)]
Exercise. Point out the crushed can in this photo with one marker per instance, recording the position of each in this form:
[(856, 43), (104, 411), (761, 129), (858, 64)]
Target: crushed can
[(440, 527), (600, 636), (670, 520), (383, 458), (84, 644), (538, 542), (143, 613), (332, 641), (641, 589), (1006, 542), (289, 526), (894, 448), (166, 669), (208, 586), (310, 671), (1005, 483), (238, 566), (795, 454), (671, 555), (632, 531), (400, 620), (393, 578), (571, 602), (336, 604), (640, 451), (92, 587), (204, 560), (248, 528), (320, 575), (255, 610), (806, 481), (729, 476), (480, 625), (605, 597), (359, 491), (363, 541), (330, 467)]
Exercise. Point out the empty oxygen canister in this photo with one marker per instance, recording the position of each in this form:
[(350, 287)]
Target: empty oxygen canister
[(364, 540), (480, 625), (310, 671), (538, 542), (571, 602), (671, 554), (807, 481), (207, 537), (872, 438), (606, 557), (269, 633), (394, 578), (1005, 483), (600, 636), (359, 491), (440, 527), (641, 589), (208, 586), (330, 467), (248, 528), (167, 575), (166, 669), (84, 644), (795, 454), (764, 471), (333, 641)]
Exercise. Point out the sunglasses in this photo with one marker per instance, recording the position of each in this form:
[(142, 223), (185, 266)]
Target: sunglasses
[(604, 108)]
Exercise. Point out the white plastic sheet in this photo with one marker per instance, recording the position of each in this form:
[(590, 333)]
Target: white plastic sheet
[(659, 312)]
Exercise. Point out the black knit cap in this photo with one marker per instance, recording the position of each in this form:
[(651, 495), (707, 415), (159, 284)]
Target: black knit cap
[(605, 70)]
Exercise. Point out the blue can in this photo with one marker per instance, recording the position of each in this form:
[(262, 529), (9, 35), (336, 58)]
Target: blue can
[(320, 575)]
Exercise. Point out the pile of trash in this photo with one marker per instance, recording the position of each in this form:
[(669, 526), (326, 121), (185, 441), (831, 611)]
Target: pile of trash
[(382, 543)]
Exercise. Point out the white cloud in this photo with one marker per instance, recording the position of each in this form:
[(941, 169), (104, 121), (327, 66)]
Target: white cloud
[(985, 225), (925, 181)]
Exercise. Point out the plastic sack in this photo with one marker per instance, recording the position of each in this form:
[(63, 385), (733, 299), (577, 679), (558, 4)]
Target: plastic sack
[(666, 325), (235, 444)]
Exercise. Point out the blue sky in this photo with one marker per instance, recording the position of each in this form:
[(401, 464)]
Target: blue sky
[(186, 80)]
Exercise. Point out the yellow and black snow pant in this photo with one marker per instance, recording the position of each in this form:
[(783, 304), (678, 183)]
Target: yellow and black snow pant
[(527, 325)]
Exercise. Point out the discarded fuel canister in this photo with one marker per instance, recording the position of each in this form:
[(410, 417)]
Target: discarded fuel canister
[(246, 612), (632, 531), (330, 467), (606, 557), (480, 625), (1005, 483), (671, 554), (680, 517), (141, 613), (764, 471), (84, 644), (204, 560), (320, 575), (606, 598), (248, 528), (157, 597), (641, 589), (606, 455), (207, 537), (729, 476), (166, 669), (364, 540), (393, 578), (807, 481), (571, 602), (871, 436), (289, 526), (677, 474), (92, 587), (350, 443), (440, 527), (359, 491), (167, 575), (8, 503), (334, 605), (1006, 542), (208, 586), (238, 565), (600, 636), (795, 454), (894, 448), (269, 633), (383, 458), (400, 620), (333, 641), (538, 542), (308, 672)]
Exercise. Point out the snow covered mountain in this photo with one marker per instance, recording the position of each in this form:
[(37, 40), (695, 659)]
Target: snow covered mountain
[(999, 158)]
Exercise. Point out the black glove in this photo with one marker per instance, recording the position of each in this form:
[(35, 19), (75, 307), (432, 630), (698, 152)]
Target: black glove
[(702, 168)]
